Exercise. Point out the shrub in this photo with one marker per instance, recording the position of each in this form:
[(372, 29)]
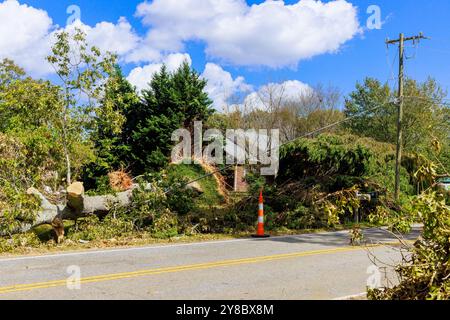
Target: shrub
[(425, 273), (179, 198), (165, 225), (301, 218), (101, 186), (16, 207), (327, 155), (147, 205), (91, 228), (25, 240)]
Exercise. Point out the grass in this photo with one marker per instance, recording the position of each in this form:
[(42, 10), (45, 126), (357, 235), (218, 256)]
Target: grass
[(136, 240), (209, 185)]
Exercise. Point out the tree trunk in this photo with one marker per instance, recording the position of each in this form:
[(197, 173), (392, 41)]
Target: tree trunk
[(78, 206)]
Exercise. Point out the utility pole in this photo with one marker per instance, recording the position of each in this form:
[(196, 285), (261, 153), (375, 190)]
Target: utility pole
[(401, 76)]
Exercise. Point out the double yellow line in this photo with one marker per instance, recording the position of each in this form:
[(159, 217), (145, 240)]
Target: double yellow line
[(200, 266)]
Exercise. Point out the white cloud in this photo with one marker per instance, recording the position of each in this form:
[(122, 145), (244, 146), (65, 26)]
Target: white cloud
[(119, 38), (221, 85), (24, 35), (141, 76), (274, 92), (270, 34), (27, 34)]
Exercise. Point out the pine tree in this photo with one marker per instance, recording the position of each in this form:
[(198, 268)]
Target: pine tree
[(112, 140), (110, 136), (172, 101)]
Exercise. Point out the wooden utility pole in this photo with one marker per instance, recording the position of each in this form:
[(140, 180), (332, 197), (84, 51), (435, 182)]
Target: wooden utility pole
[(401, 76)]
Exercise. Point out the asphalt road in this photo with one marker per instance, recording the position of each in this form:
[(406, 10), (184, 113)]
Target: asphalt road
[(313, 266)]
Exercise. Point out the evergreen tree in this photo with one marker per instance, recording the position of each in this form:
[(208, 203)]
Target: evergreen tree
[(172, 101), (110, 136), (111, 140)]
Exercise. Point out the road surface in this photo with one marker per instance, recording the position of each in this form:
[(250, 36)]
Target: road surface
[(312, 266)]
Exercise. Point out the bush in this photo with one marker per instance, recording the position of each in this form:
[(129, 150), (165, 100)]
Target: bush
[(25, 240), (165, 225), (100, 186), (147, 205), (425, 274), (179, 198), (16, 207), (178, 175), (324, 156), (153, 207), (91, 228), (301, 218)]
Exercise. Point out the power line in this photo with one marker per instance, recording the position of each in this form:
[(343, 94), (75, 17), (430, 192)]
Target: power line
[(390, 65), (284, 144), (306, 135), (437, 50)]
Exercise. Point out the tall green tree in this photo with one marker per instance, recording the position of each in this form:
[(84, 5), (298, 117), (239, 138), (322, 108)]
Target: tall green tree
[(112, 142), (82, 71), (372, 101), (29, 114), (25, 102), (426, 115), (31, 144), (171, 101)]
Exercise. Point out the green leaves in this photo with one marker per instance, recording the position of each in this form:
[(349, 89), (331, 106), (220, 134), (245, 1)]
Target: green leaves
[(325, 156), (172, 101), (82, 72), (424, 275), (425, 116), (15, 174)]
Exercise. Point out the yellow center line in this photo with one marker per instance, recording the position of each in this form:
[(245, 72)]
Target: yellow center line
[(200, 266)]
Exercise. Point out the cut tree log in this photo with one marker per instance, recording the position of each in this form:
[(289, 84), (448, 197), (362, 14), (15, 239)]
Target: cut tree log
[(78, 206), (75, 194)]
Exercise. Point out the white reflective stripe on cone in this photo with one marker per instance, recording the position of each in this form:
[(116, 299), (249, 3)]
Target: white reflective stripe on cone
[(260, 219), (261, 206)]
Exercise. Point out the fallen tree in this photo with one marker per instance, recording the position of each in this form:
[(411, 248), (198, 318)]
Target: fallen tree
[(77, 206), (52, 209)]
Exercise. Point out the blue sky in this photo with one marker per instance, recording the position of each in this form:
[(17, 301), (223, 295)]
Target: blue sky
[(364, 55)]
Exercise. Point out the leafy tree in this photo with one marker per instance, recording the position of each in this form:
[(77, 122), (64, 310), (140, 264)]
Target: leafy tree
[(425, 115), (29, 113), (172, 101), (31, 143), (325, 156), (82, 71), (25, 102), (380, 122)]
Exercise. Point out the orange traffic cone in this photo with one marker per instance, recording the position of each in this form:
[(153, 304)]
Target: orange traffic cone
[(260, 231)]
